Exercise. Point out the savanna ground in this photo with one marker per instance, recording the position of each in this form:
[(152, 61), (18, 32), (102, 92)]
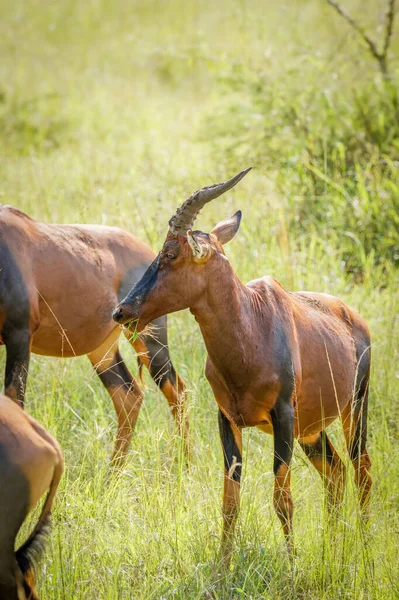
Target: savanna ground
[(114, 112)]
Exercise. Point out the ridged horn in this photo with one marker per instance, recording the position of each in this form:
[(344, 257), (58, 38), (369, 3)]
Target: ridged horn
[(185, 216)]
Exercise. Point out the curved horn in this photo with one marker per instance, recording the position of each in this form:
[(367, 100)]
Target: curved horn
[(185, 216)]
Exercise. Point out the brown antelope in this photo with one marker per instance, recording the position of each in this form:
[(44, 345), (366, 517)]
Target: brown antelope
[(287, 363), (31, 463), (58, 287)]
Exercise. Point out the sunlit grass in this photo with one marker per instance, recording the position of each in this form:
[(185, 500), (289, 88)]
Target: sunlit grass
[(103, 113), (153, 531)]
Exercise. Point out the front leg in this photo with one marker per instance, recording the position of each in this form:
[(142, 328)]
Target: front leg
[(231, 440), (124, 390), (17, 342), (282, 416), (153, 352)]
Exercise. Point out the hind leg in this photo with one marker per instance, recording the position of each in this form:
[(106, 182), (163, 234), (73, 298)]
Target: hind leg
[(153, 352), (354, 421), (328, 463), (17, 341), (123, 389), (18, 317)]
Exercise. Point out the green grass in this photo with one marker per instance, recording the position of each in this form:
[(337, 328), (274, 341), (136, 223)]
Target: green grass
[(112, 112)]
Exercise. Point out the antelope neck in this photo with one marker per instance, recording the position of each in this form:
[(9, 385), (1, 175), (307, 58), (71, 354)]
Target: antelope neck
[(228, 316)]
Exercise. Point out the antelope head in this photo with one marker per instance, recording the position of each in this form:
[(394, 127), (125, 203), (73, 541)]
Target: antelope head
[(177, 277)]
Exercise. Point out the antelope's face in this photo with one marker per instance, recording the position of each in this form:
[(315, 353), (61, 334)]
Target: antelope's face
[(178, 276)]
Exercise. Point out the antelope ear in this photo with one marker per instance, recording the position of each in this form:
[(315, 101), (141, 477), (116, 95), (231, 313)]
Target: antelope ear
[(226, 230)]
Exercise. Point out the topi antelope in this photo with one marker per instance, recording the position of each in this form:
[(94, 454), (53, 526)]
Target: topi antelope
[(58, 287), (287, 363), (31, 463)]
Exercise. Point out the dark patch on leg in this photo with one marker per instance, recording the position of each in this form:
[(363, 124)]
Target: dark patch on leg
[(328, 463), (354, 445), (14, 297), (355, 428), (282, 416), (282, 413), (161, 367), (321, 449), (231, 439), (152, 349), (117, 375), (283, 431), (231, 452), (160, 364), (357, 443), (17, 342), (355, 423), (363, 356), (281, 348), (15, 334)]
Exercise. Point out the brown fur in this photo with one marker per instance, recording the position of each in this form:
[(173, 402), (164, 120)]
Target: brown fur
[(68, 278), (271, 354), (31, 463)]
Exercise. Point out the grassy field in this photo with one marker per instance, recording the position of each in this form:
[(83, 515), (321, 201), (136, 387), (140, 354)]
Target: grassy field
[(114, 112)]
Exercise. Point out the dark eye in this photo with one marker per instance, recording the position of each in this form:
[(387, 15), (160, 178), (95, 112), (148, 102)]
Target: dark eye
[(170, 255)]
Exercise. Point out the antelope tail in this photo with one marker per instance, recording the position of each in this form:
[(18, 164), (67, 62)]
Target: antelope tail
[(29, 553)]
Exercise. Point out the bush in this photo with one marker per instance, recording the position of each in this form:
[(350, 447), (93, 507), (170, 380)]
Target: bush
[(332, 153)]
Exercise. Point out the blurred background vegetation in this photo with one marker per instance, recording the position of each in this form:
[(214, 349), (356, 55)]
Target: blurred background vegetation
[(159, 87), (114, 112)]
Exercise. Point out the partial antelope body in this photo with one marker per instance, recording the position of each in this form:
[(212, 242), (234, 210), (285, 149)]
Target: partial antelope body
[(31, 463), (58, 287), (287, 363)]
